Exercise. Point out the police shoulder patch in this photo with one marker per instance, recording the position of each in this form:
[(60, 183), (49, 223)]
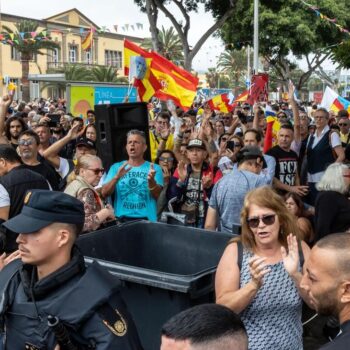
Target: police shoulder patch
[(113, 320)]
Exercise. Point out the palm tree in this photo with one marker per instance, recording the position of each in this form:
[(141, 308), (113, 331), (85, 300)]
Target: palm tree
[(171, 45), (234, 64), (29, 47), (77, 72), (213, 77), (104, 74)]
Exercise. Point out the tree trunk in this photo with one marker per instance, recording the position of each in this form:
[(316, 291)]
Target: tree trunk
[(24, 80)]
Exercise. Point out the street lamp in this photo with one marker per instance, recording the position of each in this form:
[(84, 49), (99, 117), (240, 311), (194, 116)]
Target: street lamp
[(256, 36)]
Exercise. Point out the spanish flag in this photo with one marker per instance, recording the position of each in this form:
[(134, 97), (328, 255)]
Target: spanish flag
[(220, 103), (149, 84), (87, 42), (272, 128), (178, 85), (243, 97)]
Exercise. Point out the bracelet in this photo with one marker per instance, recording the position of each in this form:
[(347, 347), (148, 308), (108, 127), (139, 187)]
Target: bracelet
[(152, 188)]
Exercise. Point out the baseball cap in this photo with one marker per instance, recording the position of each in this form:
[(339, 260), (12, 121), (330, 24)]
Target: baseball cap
[(196, 143), (250, 152), (42, 208), (84, 141)]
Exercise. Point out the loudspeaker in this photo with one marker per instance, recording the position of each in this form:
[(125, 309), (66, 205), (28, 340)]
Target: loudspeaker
[(113, 122)]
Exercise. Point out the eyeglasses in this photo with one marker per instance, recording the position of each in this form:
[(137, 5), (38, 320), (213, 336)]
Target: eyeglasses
[(268, 220), (224, 139), (226, 118), (343, 124), (237, 144), (166, 159), (319, 117), (187, 131), (97, 171), (281, 116), (25, 142)]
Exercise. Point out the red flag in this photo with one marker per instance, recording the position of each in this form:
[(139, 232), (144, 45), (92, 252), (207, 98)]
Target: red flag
[(259, 88)]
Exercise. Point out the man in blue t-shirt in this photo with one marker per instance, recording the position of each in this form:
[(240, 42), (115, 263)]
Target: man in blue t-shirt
[(136, 182)]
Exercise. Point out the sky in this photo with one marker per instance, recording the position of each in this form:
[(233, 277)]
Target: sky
[(120, 12)]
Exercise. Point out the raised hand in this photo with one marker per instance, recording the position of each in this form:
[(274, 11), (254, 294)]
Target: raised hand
[(166, 174), (164, 134), (258, 269), (150, 177), (122, 171), (182, 170), (75, 132), (291, 258), (291, 90), (5, 103)]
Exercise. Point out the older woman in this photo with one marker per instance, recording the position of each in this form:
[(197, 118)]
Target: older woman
[(259, 273), (89, 172), (332, 206)]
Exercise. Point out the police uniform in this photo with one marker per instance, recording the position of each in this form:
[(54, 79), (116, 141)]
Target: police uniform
[(84, 301), (342, 341)]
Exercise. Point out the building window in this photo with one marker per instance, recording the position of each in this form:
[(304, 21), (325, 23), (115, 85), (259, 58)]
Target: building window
[(55, 57), (15, 54), (88, 57), (73, 53), (113, 58)]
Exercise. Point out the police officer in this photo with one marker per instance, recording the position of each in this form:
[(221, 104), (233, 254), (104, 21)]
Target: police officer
[(51, 282)]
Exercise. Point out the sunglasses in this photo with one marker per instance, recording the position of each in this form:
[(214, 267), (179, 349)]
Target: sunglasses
[(97, 171), (266, 219), (224, 139), (343, 124), (346, 175), (25, 142), (226, 118), (166, 159)]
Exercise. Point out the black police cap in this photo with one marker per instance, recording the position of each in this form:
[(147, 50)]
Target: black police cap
[(42, 208)]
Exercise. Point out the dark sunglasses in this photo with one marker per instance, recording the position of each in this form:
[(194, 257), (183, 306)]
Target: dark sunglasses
[(25, 142), (187, 131), (226, 118), (266, 219), (166, 159), (343, 124), (97, 171)]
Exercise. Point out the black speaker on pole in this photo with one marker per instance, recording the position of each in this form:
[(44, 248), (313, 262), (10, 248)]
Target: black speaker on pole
[(113, 122)]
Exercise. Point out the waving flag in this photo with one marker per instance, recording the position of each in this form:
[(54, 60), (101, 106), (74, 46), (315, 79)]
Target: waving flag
[(87, 42), (243, 97), (333, 102), (178, 85), (220, 103), (147, 84)]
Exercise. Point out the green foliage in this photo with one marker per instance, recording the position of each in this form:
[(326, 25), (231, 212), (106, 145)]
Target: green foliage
[(77, 72), (170, 43), (341, 55), (104, 74)]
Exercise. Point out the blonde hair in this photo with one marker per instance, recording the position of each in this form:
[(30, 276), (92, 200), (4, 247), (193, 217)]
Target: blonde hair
[(83, 162), (267, 198)]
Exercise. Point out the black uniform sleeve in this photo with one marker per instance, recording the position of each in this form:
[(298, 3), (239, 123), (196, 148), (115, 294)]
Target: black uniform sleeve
[(112, 327)]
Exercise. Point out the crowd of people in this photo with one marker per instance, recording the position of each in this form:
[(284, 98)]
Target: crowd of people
[(209, 170)]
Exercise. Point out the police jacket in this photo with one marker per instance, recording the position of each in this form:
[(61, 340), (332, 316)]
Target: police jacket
[(342, 340), (86, 301)]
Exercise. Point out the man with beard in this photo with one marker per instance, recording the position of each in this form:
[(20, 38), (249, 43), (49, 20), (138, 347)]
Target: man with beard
[(28, 145), (327, 281), (13, 128)]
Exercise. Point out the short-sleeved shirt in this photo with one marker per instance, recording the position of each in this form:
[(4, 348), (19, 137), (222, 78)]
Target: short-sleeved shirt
[(286, 169), (228, 195), (132, 196)]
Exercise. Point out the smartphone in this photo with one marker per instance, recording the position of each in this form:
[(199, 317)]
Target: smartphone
[(54, 120), (230, 145)]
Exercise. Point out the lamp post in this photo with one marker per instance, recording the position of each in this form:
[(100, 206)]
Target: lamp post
[(256, 36)]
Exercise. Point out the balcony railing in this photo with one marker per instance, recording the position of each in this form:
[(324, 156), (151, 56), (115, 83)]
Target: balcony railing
[(59, 66)]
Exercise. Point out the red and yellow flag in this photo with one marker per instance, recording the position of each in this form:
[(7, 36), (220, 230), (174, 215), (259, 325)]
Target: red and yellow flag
[(87, 42), (243, 97), (220, 103), (272, 128), (149, 84), (178, 85)]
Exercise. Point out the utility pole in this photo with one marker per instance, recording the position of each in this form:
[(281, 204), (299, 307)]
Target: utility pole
[(256, 36)]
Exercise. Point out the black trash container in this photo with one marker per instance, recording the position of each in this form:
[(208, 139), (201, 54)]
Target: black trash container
[(164, 269)]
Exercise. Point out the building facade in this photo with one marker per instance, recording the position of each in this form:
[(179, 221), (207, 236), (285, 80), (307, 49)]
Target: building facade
[(69, 30)]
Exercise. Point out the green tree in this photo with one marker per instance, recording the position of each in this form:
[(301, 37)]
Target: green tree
[(76, 72), (289, 28), (29, 47), (234, 64), (220, 9), (171, 47), (213, 77), (104, 74)]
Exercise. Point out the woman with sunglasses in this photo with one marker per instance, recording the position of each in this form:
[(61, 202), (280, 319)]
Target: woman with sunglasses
[(259, 273), (332, 206), (167, 161), (88, 173)]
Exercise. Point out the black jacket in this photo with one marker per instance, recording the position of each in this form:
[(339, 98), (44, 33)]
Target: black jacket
[(86, 301)]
